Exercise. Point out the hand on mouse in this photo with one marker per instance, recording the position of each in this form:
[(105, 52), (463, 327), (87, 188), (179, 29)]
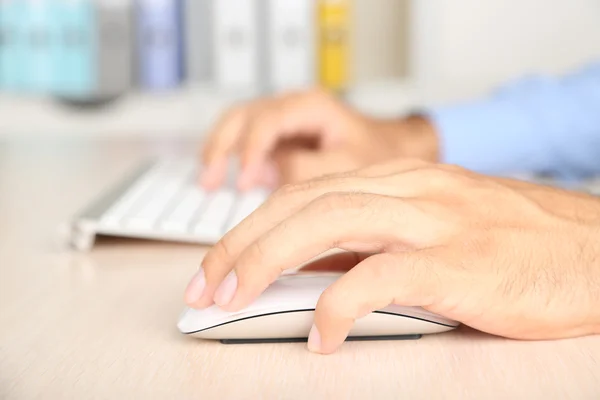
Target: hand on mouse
[(505, 257), (297, 136)]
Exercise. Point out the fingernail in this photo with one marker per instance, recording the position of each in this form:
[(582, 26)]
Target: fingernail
[(212, 172), (314, 340), (247, 177), (207, 180), (226, 290), (196, 287)]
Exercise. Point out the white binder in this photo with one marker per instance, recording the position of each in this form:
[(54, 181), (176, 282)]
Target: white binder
[(237, 42), (198, 40), (291, 44)]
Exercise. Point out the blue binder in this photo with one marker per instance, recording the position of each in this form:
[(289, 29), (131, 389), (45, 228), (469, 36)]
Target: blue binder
[(159, 44), (74, 59), (39, 45), (12, 13)]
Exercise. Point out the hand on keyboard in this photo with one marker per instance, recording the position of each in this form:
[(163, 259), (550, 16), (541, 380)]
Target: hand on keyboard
[(303, 135)]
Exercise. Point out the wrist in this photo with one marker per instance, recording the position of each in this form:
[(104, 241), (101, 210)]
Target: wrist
[(414, 136)]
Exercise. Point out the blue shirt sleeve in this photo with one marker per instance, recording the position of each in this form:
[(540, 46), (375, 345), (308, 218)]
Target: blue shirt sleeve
[(540, 125)]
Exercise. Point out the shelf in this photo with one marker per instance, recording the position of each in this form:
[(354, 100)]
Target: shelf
[(186, 111)]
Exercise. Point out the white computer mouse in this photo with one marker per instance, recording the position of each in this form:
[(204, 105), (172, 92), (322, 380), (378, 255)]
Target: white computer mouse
[(284, 313)]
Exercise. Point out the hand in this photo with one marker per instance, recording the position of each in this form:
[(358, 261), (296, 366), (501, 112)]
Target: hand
[(504, 257), (303, 135)]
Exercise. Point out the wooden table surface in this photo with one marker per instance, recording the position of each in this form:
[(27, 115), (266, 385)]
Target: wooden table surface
[(102, 325)]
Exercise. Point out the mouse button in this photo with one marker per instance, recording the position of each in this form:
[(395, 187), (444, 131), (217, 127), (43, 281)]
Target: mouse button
[(194, 320), (278, 298), (305, 282), (277, 326), (291, 294)]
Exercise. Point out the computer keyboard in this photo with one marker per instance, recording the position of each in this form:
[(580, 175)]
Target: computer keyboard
[(163, 201)]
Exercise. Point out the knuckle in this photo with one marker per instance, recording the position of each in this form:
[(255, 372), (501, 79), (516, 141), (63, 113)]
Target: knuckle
[(434, 175), (290, 190), (286, 195), (340, 203), (402, 164), (453, 168), (250, 266), (442, 177), (223, 249), (341, 180), (285, 191), (258, 250), (219, 256)]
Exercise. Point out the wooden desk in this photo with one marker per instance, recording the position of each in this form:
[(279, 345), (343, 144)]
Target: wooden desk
[(102, 325)]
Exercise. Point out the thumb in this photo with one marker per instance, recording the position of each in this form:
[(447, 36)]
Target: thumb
[(390, 278)]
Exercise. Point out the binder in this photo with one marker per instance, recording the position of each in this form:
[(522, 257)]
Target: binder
[(94, 60), (238, 62), (291, 44), (159, 43), (75, 62), (39, 45), (198, 39), (11, 12), (334, 43), (114, 48)]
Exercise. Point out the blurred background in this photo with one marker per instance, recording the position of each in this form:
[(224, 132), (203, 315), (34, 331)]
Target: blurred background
[(170, 67)]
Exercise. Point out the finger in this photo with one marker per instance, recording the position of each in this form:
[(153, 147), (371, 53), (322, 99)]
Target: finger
[(219, 145), (396, 166), (292, 198), (269, 176), (295, 115), (267, 128), (409, 279), (354, 222), (213, 175), (221, 258), (225, 139)]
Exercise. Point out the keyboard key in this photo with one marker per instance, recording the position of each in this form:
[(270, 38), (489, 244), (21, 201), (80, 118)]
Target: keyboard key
[(208, 232), (189, 202), (167, 202), (158, 199), (247, 203), (213, 217), (218, 207), (114, 216)]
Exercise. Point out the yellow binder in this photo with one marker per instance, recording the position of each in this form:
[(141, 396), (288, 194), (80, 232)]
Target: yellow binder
[(334, 43)]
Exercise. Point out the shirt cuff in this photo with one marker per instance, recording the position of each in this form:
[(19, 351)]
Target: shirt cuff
[(490, 136)]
